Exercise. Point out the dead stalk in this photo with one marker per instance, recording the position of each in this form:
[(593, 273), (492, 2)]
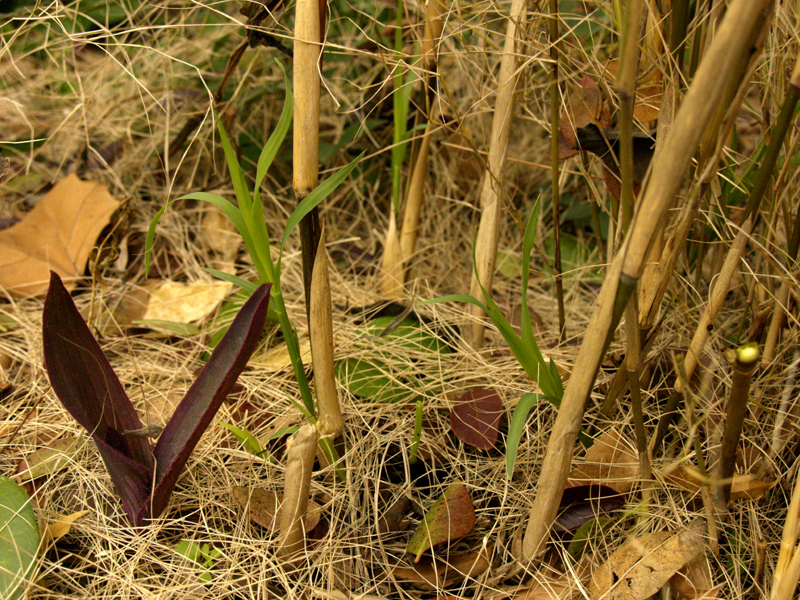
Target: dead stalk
[(300, 451), (415, 194), (307, 48), (489, 228), (733, 259), (787, 571), (555, 126), (669, 166), (744, 359), (320, 329)]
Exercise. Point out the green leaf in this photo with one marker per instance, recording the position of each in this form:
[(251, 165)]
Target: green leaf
[(408, 335), (516, 427), (370, 379), (275, 140), (19, 540), (227, 207), (237, 175), (248, 286), (451, 517), (248, 441), (317, 195)]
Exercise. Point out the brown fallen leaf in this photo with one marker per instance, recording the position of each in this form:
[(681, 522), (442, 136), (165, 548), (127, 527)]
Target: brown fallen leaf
[(43, 462), (58, 235), (185, 302), (262, 508), (432, 574), (642, 566), (610, 461), (452, 516), (694, 581), (560, 586), (475, 417), (585, 105), (743, 486)]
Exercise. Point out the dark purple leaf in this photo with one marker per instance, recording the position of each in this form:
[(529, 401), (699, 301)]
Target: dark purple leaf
[(87, 386), (475, 417), (212, 386), (582, 503)]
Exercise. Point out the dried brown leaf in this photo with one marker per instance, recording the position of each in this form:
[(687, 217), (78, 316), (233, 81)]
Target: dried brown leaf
[(185, 302), (43, 462), (610, 461), (694, 581), (263, 506), (57, 235), (642, 566), (62, 525), (431, 574), (584, 105), (743, 486)]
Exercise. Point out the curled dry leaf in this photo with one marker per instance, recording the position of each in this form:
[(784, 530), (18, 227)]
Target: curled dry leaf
[(451, 517), (743, 487), (585, 105), (610, 461), (262, 508), (642, 566), (694, 581), (475, 417), (432, 574), (62, 526), (57, 235)]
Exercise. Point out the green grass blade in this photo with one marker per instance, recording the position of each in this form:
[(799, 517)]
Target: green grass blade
[(248, 286), (516, 427), (316, 196), (237, 175), (275, 140)]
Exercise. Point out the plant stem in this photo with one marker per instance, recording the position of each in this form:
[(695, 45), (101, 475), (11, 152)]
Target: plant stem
[(502, 118), (745, 360), (307, 49), (669, 165), (555, 126), (300, 452)]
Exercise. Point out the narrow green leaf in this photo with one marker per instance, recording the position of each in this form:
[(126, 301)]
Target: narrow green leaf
[(171, 326), (248, 441), (316, 196), (237, 175), (275, 140), (248, 286), (516, 427)]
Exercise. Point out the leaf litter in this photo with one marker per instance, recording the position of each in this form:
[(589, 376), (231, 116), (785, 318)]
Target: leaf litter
[(353, 558)]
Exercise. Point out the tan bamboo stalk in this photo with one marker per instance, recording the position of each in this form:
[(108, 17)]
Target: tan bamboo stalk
[(329, 412), (626, 90), (305, 151), (669, 166), (300, 452), (489, 228), (392, 270), (415, 192), (734, 256), (787, 571)]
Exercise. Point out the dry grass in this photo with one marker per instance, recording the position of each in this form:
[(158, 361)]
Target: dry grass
[(76, 94)]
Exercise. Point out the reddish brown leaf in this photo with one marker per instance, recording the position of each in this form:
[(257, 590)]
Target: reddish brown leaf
[(432, 574), (581, 504), (585, 105), (475, 417), (451, 517), (263, 506)]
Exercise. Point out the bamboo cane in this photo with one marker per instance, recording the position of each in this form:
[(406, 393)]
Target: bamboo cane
[(489, 228), (669, 165)]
